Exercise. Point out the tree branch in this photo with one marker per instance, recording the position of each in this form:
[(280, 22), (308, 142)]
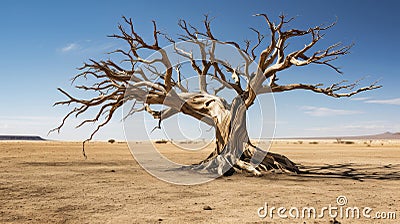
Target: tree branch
[(332, 90)]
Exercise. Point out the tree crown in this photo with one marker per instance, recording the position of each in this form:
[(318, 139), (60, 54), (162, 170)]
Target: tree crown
[(156, 80)]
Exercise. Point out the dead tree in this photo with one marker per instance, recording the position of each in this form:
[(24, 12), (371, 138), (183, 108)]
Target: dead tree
[(234, 150)]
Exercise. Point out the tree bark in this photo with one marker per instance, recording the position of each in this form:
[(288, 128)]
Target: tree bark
[(234, 151)]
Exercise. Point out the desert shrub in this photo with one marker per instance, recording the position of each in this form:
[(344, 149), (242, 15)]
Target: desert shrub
[(111, 141), (162, 141), (348, 142), (313, 143)]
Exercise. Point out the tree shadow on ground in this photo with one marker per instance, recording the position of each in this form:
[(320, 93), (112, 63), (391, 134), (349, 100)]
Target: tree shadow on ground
[(352, 171)]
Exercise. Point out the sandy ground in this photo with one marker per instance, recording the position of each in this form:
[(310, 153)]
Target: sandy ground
[(50, 182)]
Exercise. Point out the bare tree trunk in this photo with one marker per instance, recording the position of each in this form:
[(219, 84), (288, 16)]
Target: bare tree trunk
[(234, 151)]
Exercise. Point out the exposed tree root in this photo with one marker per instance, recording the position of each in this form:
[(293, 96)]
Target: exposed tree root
[(278, 161), (272, 161), (238, 154)]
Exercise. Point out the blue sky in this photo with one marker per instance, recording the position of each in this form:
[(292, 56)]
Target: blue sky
[(43, 42)]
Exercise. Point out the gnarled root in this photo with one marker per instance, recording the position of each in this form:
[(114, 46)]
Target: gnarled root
[(270, 162), (234, 151)]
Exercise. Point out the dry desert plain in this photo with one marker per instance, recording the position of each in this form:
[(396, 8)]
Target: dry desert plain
[(51, 182)]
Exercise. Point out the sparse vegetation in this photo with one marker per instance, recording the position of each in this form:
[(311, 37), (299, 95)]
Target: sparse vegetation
[(186, 142), (111, 141), (162, 141), (340, 141)]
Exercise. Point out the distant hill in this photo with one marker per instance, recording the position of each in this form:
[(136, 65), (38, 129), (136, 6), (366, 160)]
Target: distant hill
[(21, 138), (386, 135)]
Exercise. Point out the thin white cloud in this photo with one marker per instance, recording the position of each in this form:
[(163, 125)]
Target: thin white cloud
[(40, 118), (88, 47), (354, 128), (12, 121), (360, 98), (32, 125), (395, 101), (324, 112), (98, 47), (70, 47)]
